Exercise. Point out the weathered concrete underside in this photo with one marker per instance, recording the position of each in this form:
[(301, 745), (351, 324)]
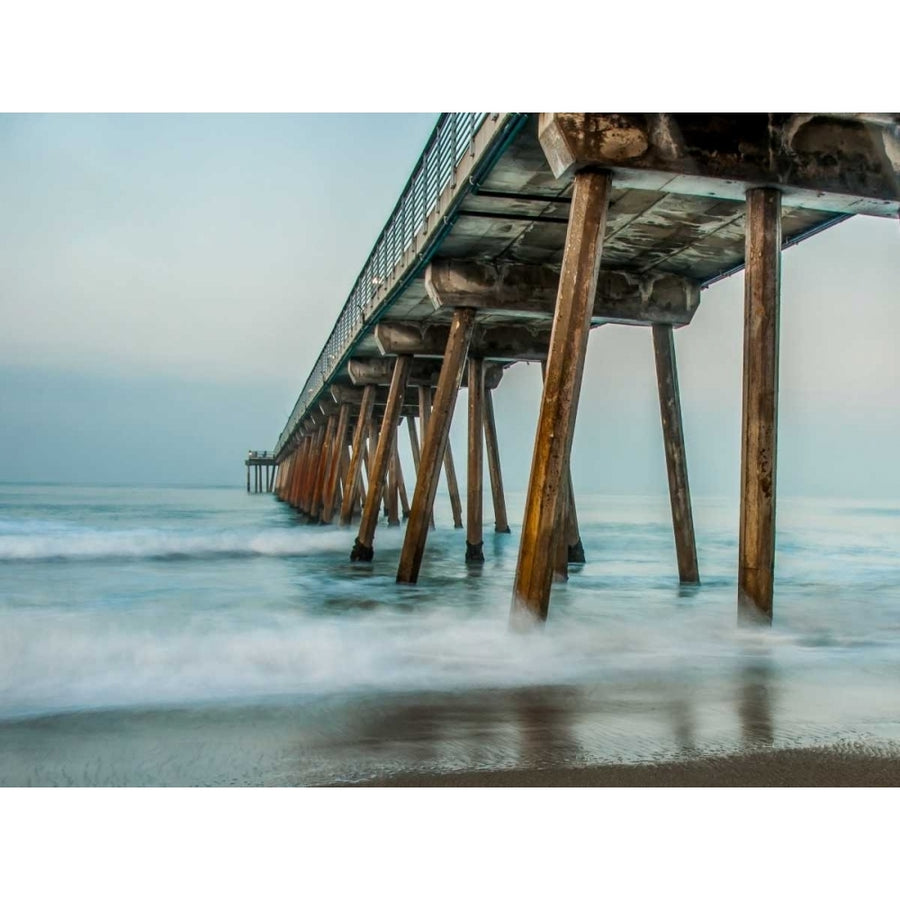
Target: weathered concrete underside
[(673, 217)]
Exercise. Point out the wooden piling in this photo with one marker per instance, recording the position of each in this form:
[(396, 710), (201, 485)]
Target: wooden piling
[(324, 465), (292, 488), (248, 477), (360, 502), (328, 460), (453, 487), (437, 436), (309, 497), (308, 465), (336, 505), (339, 442), (284, 471), (501, 523), (401, 482), (392, 505), (762, 286), (575, 551), (308, 459), (351, 485), (280, 471), (413, 443), (475, 465), (424, 410), (559, 402), (425, 403), (345, 460), (345, 468), (416, 449), (298, 475), (362, 549), (424, 416), (364, 473), (561, 543), (291, 475), (676, 460), (568, 523)]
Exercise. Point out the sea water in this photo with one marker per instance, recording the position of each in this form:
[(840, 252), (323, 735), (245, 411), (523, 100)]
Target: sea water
[(211, 636)]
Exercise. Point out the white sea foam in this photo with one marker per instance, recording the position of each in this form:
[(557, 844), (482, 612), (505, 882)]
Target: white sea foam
[(244, 619), (59, 660), (73, 543), (52, 661)]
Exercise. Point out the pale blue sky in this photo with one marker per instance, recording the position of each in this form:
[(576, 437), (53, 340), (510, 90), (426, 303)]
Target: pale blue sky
[(167, 281)]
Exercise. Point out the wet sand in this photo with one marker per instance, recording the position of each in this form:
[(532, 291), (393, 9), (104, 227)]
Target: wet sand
[(639, 735), (826, 767)]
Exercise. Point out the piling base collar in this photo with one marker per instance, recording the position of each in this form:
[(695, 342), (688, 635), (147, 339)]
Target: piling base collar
[(474, 552), (361, 553)]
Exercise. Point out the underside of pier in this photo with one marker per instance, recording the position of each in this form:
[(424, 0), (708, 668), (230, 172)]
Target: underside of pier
[(539, 228)]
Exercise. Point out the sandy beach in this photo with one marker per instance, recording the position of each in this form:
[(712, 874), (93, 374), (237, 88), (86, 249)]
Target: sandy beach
[(836, 766)]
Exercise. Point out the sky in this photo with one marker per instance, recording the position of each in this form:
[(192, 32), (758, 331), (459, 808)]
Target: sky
[(167, 281)]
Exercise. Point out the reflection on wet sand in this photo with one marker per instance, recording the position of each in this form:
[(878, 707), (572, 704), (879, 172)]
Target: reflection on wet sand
[(544, 718), (542, 727), (682, 719), (755, 702)]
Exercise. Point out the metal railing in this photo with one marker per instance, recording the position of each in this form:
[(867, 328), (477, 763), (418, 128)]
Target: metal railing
[(452, 138)]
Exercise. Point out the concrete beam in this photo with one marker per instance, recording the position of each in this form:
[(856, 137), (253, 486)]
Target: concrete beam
[(500, 343), (344, 394), (379, 370), (491, 375), (327, 405), (626, 298), (353, 397), (841, 164), (372, 370)]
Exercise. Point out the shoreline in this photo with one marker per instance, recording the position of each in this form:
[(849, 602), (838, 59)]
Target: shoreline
[(832, 766)]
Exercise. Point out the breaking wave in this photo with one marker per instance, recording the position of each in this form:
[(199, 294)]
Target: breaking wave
[(74, 544)]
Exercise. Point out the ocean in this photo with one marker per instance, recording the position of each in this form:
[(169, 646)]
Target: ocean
[(207, 636)]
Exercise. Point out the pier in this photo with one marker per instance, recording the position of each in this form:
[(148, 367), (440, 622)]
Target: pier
[(515, 236), (263, 466)]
